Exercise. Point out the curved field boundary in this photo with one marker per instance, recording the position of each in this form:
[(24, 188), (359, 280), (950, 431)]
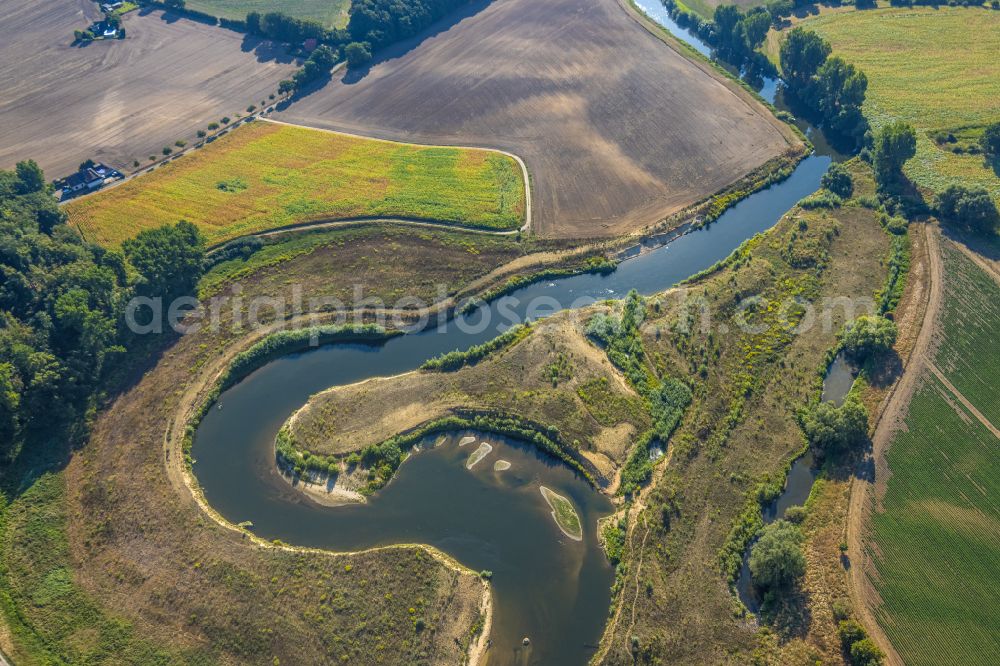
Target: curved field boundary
[(524, 169), (298, 176)]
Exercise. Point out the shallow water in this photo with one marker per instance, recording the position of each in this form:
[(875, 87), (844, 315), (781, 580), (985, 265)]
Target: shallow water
[(836, 385), (546, 586)]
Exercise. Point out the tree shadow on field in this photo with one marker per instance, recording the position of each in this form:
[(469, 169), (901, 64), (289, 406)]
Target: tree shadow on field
[(400, 49), (266, 50)]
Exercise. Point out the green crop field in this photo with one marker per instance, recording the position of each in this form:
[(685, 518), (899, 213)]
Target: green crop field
[(937, 536), (968, 351), (331, 13), (936, 68), (264, 176)]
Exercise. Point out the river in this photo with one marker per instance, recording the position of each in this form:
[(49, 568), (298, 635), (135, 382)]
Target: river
[(546, 587)]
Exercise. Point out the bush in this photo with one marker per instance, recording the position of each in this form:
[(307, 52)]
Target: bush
[(454, 360), (838, 180), (795, 514), (776, 559), (850, 632), (831, 429), (358, 54), (990, 140), (866, 653), (822, 199), (971, 208), (868, 336)]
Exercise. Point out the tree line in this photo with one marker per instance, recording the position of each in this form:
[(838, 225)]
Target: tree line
[(62, 306)]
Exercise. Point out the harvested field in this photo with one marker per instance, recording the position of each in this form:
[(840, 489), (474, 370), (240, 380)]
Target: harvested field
[(119, 101), (617, 129), (265, 176)]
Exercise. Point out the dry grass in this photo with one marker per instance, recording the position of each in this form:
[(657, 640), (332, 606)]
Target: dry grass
[(265, 176), (119, 101), (617, 129), (554, 377), (739, 431), (107, 561)]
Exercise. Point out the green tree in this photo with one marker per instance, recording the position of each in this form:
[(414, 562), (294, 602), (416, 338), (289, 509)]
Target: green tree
[(894, 144), (357, 54), (839, 92), (866, 653), (755, 27), (10, 402), (971, 208), (802, 54), (868, 336), (838, 180), (776, 559), (990, 140), (169, 259), (830, 429), (30, 177)]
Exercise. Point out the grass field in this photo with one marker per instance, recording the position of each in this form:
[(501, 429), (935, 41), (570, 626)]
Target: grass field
[(968, 351), (331, 13), (937, 539), (266, 175), (936, 68)]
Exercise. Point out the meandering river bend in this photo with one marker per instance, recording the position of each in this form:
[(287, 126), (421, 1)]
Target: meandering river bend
[(547, 587)]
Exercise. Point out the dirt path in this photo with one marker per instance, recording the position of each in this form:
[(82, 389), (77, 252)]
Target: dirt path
[(987, 266), (893, 410), (962, 399)]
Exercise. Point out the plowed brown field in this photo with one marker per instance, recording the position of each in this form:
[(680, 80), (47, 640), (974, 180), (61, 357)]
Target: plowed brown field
[(617, 128), (119, 101)]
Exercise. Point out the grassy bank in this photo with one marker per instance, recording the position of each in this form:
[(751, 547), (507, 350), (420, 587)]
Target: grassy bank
[(105, 560), (266, 176), (737, 437), (934, 67)]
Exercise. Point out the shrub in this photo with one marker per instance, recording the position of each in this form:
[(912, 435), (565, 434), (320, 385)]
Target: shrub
[(971, 208), (868, 336), (201, 134), (358, 54), (850, 632), (167, 150), (213, 126), (180, 143), (990, 140), (831, 429), (795, 514), (822, 199), (866, 653), (838, 180), (776, 559)]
